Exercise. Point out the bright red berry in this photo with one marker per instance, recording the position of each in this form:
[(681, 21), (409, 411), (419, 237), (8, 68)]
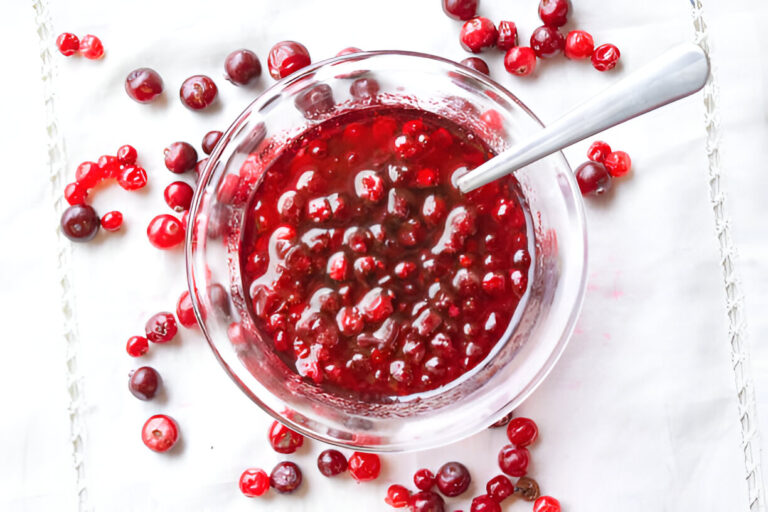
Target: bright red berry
[(424, 479), (185, 312), (111, 221), (143, 85), (397, 496), (520, 61), (579, 45), (161, 328), (254, 482), (618, 163), (180, 157), (287, 57), (242, 66), (605, 57), (460, 9), (127, 155), (478, 34), (499, 488), (507, 35), (546, 504), (178, 196), (75, 193), (137, 346), (547, 42), (593, 178), (514, 461), (68, 44), (598, 151), (364, 466), (91, 47), (132, 178), (553, 12), (477, 64), (165, 231), (484, 503), (160, 433), (198, 92), (89, 174), (283, 439), (522, 431)]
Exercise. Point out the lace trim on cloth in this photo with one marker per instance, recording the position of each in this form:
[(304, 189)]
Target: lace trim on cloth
[(57, 158), (740, 353)]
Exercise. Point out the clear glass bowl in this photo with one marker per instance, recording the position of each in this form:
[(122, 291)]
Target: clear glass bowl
[(531, 344)]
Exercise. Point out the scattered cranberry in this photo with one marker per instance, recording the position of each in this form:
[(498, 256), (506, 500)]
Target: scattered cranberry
[(520, 61), (424, 479), (579, 45), (165, 231), (160, 433), (547, 42), (553, 12), (254, 482), (477, 34), (507, 35), (477, 64), (198, 92), (91, 47), (210, 140), (242, 66), (111, 221), (546, 504), (89, 174), (618, 163), (397, 496), (75, 193), (144, 383), (143, 85), (180, 157), (522, 431), (178, 196), (426, 501), (127, 155), (453, 478), (484, 503), (286, 477), (598, 151), (460, 9), (67, 43), (137, 346), (331, 463), (364, 466), (287, 57), (348, 51), (161, 328), (499, 488), (185, 312), (593, 178), (514, 461), (132, 178), (283, 439), (80, 223), (605, 57)]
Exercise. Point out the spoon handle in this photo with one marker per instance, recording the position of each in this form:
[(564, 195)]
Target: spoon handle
[(678, 73)]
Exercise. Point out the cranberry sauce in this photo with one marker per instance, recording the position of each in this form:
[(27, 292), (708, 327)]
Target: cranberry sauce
[(370, 271)]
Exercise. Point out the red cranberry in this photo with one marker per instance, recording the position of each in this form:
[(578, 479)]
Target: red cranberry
[(598, 151), (364, 466), (144, 383), (160, 433), (161, 328), (331, 463), (91, 47), (499, 488), (546, 504), (165, 231), (67, 43), (254, 482), (484, 503), (75, 193), (477, 64), (460, 9), (477, 34), (80, 223), (132, 178), (507, 35), (426, 501), (285, 477), (143, 85), (137, 346), (89, 174), (287, 57), (547, 42), (553, 12), (180, 157), (127, 155), (210, 140), (453, 478), (579, 45), (618, 163), (242, 66), (364, 88), (397, 496), (424, 479), (111, 221), (605, 57), (593, 178), (348, 51), (185, 312), (178, 196), (514, 461), (283, 439), (197, 92), (522, 431), (520, 61)]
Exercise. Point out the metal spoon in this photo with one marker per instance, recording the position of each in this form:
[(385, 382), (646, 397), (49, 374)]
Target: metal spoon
[(678, 73)]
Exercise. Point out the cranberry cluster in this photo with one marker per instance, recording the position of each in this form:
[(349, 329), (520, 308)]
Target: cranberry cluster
[(595, 177), (89, 46)]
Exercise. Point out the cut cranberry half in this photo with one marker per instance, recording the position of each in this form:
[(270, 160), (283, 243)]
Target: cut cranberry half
[(185, 312), (520, 61), (287, 57), (144, 383), (453, 478), (598, 150), (331, 462), (605, 57), (547, 42), (546, 504), (283, 439), (507, 35), (424, 479), (593, 178), (137, 346), (80, 223), (484, 503), (364, 466), (165, 231), (210, 140), (143, 85), (499, 488), (579, 45), (397, 496), (111, 221), (553, 12), (178, 196), (477, 64), (618, 163), (91, 47), (478, 34), (160, 433), (180, 157), (285, 477), (242, 66), (161, 328), (198, 92), (68, 44), (426, 501), (514, 461), (254, 482), (460, 9)]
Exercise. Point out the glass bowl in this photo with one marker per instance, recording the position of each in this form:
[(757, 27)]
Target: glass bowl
[(532, 342)]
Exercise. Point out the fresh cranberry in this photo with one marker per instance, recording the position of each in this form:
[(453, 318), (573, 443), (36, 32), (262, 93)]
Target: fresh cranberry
[(287, 57), (80, 223), (579, 45), (185, 312), (553, 12), (477, 64), (254, 482), (514, 461), (144, 383), (522, 431), (180, 157), (283, 439), (127, 155), (178, 196), (331, 462), (424, 479), (593, 178), (426, 501), (484, 503), (137, 346), (91, 47), (598, 151), (460, 9), (397, 496), (364, 466), (197, 92), (499, 488), (478, 34), (547, 42), (618, 163), (161, 328), (210, 140), (160, 433), (165, 231), (520, 61), (75, 193), (143, 85), (111, 221), (605, 57), (546, 504), (348, 51), (507, 35), (67, 43), (242, 66), (132, 178), (285, 477), (453, 478)]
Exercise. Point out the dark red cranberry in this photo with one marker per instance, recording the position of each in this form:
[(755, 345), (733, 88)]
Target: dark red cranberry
[(364, 466), (143, 85), (287, 57), (484, 503), (507, 35), (593, 178), (522, 431), (127, 155), (460, 9), (547, 42), (331, 463), (178, 196), (242, 66), (453, 478), (185, 312), (499, 488), (520, 61), (426, 501), (605, 57), (160, 433), (165, 231), (144, 383), (316, 100), (161, 328), (618, 163), (254, 482), (210, 140), (111, 221), (546, 504), (197, 92), (91, 47), (180, 157), (579, 45), (80, 223), (285, 477), (68, 44), (514, 461), (553, 12), (75, 193), (477, 64), (397, 496), (364, 88), (478, 34), (424, 479), (137, 346), (132, 178), (283, 439), (598, 151), (348, 51)]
